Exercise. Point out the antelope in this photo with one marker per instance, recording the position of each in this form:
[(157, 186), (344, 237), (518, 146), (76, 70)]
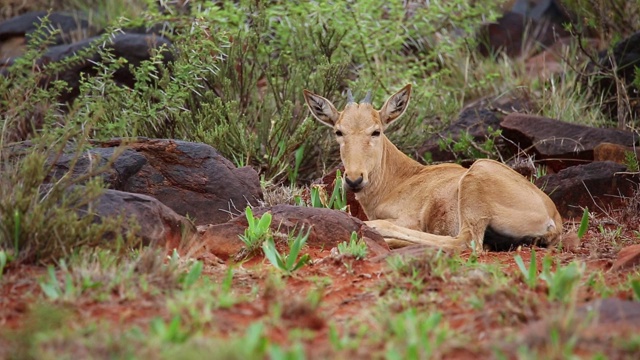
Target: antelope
[(445, 205)]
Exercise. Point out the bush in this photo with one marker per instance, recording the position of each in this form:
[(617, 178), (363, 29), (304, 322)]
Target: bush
[(43, 218)]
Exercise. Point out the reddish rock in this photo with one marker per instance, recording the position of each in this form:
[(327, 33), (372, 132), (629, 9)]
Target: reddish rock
[(329, 228), (475, 121), (570, 241), (614, 152), (597, 185), (558, 143), (193, 179), (628, 257), (155, 223), (551, 61)]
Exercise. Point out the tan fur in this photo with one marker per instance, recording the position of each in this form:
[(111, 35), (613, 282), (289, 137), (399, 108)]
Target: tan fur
[(444, 205)]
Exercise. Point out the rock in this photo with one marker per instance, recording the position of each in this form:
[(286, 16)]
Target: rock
[(558, 143), (134, 48), (524, 29), (614, 152), (624, 58), (17, 31), (193, 179), (158, 224), (570, 241), (551, 60), (628, 257), (504, 35), (475, 121), (329, 228), (598, 186), (596, 320)]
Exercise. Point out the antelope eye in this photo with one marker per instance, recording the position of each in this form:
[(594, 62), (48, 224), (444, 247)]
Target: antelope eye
[(375, 133), (338, 133)]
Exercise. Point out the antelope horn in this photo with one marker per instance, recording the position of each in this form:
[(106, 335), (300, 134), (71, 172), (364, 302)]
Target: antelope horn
[(367, 98), (350, 97)]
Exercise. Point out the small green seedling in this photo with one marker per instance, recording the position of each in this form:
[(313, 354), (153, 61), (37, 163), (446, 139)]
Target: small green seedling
[(171, 333), (531, 274), (355, 247), (258, 231), (561, 282), (287, 263), (52, 287)]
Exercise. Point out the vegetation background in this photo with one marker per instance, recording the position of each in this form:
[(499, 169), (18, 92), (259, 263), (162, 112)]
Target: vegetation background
[(236, 83)]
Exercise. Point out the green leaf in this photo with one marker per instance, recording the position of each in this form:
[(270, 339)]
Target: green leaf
[(635, 286), (70, 288), (521, 265), (315, 198), (193, 275), (51, 288), (304, 260), (158, 327), (533, 270), (250, 219), (3, 262), (584, 223), (270, 251), (264, 223), (296, 246), (254, 338)]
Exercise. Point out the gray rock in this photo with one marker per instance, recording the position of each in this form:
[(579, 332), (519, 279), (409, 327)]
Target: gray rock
[(559, 144), (595, 320), (603, 80), (25, 25), (598, 185)]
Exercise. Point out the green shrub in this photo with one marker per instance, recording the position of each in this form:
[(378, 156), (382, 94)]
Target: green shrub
[(610, 20), (44, 218)]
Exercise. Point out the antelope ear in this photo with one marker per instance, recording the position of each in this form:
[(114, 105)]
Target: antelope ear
[(395, 106), (321, 108)]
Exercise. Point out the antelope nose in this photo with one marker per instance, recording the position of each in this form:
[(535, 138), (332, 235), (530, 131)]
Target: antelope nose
[(354, 184)]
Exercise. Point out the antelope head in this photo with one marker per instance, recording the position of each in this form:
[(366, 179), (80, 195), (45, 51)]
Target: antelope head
[(359, 130)]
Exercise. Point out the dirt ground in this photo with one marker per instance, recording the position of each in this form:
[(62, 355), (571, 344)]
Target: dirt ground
[(350, 291)]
